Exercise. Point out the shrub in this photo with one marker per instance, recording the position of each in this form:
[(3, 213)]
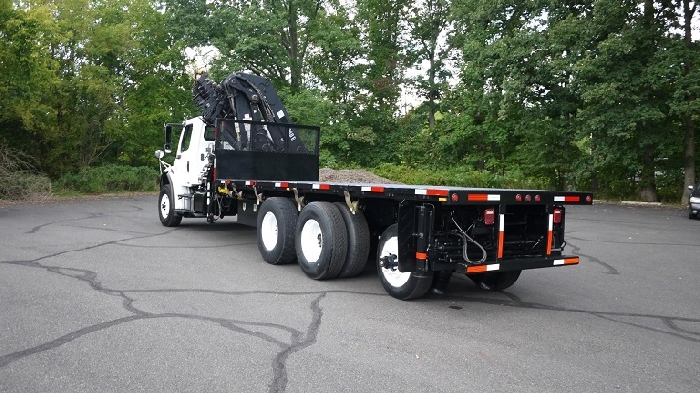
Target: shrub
[(458, 176), (110, 178), (18, 178)]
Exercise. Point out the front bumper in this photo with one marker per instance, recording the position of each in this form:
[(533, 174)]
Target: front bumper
[(694, 208)]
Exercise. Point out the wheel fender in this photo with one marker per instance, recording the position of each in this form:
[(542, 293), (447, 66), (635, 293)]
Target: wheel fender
[(175, 189)]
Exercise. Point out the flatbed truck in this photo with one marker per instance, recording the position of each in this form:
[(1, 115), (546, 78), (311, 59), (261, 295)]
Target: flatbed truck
[(242, 158)]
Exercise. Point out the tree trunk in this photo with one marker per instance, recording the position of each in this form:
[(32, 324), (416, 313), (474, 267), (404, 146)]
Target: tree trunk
[(647, 192), (689, 124)]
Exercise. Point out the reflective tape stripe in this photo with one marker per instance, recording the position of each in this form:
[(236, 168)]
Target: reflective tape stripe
[(372, 189), (281, 184), (549, 234), (432, 192), (322, 186), (569, 198), (483, 197), (249, 183), (567, 261), (501, 234), (483, 268)]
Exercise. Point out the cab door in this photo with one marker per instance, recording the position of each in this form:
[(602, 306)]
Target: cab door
[(191, 151)]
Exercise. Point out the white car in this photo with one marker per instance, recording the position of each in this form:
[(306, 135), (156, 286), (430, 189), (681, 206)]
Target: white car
[(694, 202)]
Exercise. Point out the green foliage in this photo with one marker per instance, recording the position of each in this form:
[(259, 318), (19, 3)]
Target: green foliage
[(109, 178), (88, 82), (458, 176), (580, 94)]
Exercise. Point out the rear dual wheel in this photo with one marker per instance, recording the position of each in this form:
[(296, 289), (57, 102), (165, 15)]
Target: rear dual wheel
[(321, 240), (277, 220), (358, 241), (401, 285), (327, 239)]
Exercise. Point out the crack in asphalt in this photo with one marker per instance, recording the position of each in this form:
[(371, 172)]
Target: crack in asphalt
[(515, 302), (39, 227), (577, 250), (279, 381), (298, 340)]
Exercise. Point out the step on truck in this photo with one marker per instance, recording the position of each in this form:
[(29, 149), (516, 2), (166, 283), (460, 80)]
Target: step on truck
[(244, 158)]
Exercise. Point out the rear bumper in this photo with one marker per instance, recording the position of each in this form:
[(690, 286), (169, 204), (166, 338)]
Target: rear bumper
[(523, 264)]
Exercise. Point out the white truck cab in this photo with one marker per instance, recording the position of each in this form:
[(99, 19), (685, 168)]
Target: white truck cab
[(196, 141)]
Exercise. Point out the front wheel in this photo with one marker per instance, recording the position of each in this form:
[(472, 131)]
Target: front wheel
[(166, 207), (495, 281), (401, 285)]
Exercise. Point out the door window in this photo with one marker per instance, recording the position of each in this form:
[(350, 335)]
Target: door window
[(186, 137)]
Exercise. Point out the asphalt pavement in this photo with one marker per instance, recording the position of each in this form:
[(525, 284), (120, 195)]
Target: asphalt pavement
[(97, 296)]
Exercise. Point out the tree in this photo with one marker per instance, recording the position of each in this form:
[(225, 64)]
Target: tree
[(686, 102), (429, 26)]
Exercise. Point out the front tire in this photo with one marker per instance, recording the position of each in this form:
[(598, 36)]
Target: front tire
[(495, 281), (401, 285), (166, 207), (276, 222), (321, 240)]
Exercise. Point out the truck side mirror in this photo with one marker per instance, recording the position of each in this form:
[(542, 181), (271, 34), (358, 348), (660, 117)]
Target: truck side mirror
[(168, 139)]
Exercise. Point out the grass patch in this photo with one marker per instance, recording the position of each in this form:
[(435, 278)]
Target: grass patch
[(108, 178)]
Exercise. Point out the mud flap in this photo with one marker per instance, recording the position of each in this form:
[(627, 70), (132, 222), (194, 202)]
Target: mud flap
[(415, 229)]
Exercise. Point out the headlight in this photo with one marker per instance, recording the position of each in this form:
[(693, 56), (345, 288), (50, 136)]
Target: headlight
[(694, 199)]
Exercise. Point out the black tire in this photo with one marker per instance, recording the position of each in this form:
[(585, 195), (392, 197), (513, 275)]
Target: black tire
[(495, 281), (692, 216), (321, 240), (276, 223), (166, 207), (358, 242), (401, 285)]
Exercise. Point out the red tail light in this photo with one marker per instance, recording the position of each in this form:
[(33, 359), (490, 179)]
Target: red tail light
[(489, 216), (557, 216)]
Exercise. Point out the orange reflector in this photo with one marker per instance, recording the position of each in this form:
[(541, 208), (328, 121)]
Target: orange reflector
[(476, 269), (436, 192), (500, 244), (421, 255)]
